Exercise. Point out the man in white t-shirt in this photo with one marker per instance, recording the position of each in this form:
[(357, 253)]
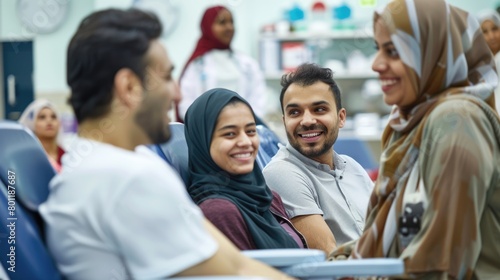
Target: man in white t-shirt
[(116, 211)]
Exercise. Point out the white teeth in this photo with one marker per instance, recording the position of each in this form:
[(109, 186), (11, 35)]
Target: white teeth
[(242, 155), (310, 135), (388, 82)]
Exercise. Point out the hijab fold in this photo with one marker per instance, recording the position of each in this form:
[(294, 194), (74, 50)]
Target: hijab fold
[(248, 192)]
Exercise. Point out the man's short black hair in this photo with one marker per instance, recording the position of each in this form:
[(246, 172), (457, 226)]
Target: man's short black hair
[(308, 74), (105, 42)]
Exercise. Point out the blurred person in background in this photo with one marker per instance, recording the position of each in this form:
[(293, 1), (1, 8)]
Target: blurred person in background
[(42, 117), (214, 64), (490, 25)]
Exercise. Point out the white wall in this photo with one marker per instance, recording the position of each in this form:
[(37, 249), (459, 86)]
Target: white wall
[(250, 15), (49, 49)]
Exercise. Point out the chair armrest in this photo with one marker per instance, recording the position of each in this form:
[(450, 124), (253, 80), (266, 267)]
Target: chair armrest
[(286, 257), (221, 278), (356, 268)]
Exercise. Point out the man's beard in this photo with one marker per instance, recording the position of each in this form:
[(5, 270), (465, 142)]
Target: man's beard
[(314, 152)]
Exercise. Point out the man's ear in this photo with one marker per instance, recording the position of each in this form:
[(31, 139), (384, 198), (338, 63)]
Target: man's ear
[(128, 87), (342, 116)]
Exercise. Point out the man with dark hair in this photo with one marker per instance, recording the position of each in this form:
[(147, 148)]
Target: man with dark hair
[(117, 211), (325, 194)]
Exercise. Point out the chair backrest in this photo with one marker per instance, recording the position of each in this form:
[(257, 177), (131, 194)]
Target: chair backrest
[(23, 154), (268, 140), (24, 255), (358, 150), (268, 145), (175, 151), (25, 176)]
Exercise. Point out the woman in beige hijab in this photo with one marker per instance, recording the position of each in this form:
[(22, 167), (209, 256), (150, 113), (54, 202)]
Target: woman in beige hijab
[(436, 202)]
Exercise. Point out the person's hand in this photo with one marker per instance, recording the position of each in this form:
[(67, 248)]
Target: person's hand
[(340, 257), (337, 258)]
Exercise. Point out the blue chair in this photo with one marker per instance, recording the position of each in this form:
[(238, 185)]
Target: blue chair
[(268, 145), (358, 150), (30, 258), (268, 140), (23, 155), (175, 151)]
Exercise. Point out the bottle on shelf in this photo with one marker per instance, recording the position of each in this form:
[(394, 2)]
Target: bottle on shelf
[(341, 16), (296, 16), (319, 21)]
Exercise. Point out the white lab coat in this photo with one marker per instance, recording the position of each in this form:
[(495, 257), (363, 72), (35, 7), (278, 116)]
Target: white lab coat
[(224, 69)]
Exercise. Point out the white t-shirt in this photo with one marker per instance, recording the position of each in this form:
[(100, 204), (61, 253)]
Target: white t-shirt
[(118, 214), (224, 69)]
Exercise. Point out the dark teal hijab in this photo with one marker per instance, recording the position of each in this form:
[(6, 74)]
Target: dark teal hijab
[(248, 192)]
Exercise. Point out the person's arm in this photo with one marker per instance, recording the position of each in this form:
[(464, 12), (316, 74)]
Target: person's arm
[(294, 188), (226, 217), (229, 261), (316, 231)]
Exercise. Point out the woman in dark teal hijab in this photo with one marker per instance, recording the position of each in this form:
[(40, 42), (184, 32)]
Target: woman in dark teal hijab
[(226, 182)]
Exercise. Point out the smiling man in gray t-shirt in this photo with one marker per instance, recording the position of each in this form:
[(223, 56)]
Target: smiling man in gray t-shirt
[(325, 194)]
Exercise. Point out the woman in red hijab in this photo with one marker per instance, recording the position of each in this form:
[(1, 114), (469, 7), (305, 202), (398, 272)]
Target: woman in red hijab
[(213, 64)]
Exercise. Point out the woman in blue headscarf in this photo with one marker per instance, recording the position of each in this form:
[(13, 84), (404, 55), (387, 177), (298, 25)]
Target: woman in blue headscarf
[(226, 182)]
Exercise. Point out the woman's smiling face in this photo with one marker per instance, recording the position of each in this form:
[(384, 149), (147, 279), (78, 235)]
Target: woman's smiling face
[(393, 75), (235, 141)]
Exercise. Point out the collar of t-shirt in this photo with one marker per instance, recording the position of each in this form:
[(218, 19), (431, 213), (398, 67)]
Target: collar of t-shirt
[(340, 163)]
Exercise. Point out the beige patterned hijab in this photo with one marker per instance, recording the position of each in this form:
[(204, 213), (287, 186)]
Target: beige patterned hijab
[(444, 53)]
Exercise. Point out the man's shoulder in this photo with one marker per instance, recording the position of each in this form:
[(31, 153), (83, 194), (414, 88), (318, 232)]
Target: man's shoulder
[(112, 163), (283, 159)]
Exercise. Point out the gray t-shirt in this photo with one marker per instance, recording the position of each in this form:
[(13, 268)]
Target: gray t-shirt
[(308, 187)]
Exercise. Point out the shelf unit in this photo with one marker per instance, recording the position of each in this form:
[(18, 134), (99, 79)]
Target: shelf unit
[(334, 34), (279, 54)]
